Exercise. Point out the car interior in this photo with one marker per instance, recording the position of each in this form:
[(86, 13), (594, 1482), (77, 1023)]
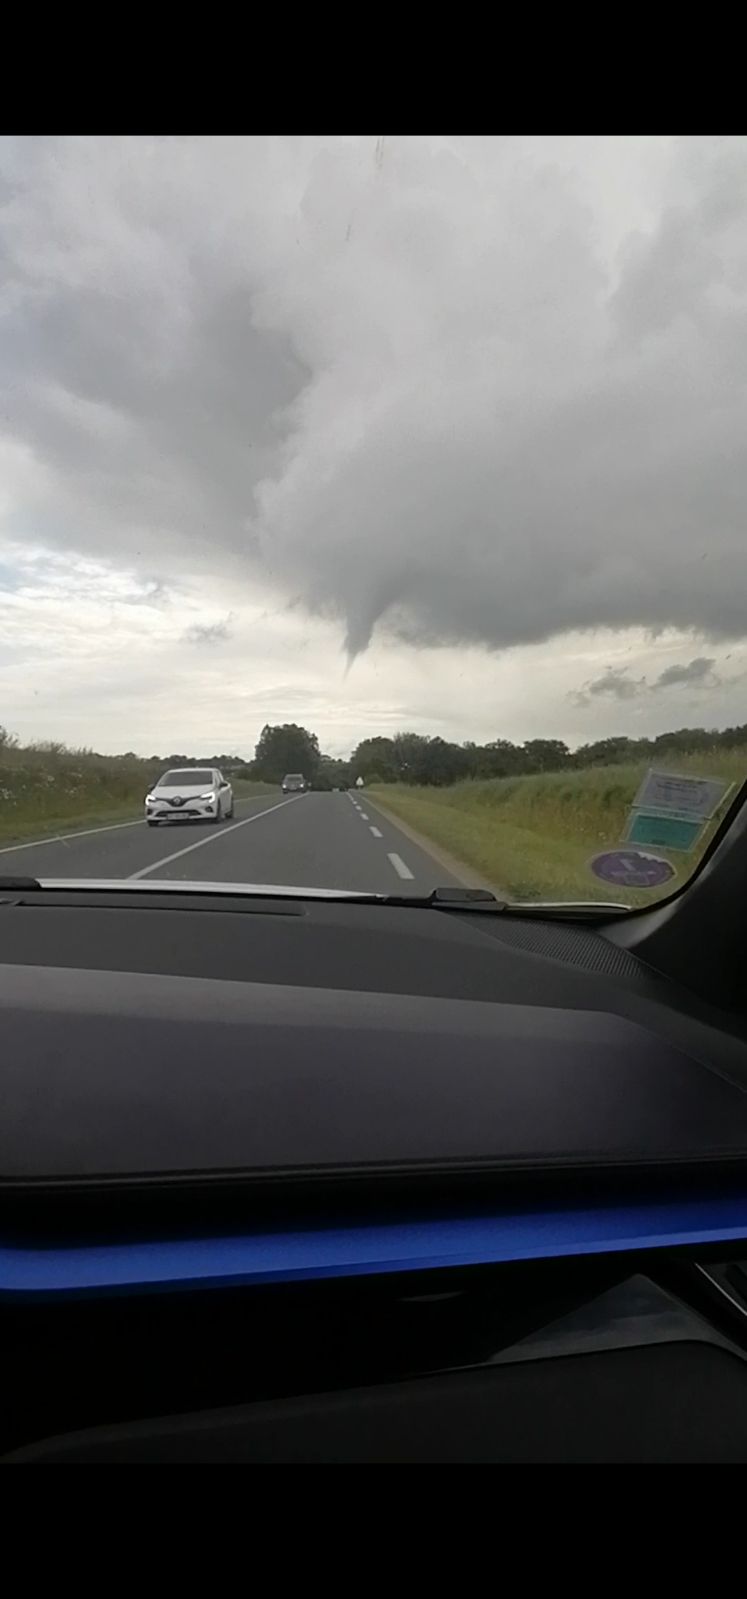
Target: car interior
[(297, 1178)]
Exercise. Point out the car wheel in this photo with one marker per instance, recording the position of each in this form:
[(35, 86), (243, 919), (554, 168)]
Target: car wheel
[(218, 817)]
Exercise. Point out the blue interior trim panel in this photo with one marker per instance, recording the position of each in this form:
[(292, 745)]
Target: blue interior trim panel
[(371, 1249)]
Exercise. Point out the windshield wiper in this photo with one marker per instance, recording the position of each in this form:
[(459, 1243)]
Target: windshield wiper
[(18, 882), (485, 902), (439, 899)]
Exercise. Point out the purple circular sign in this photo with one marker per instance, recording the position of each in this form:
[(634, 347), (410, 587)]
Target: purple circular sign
[(631, 868)]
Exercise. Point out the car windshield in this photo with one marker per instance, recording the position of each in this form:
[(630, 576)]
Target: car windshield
[(401, 479), (189, 777)]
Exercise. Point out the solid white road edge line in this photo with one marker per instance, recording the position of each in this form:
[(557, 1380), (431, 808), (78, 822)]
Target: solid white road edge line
[(212, 838), (62, 838), (376, 832), (399, 866)]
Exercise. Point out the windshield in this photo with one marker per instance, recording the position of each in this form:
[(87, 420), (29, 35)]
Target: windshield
[(182, 779), (401, 479)]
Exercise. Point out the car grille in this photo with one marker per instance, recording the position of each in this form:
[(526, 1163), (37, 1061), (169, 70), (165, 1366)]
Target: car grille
[(181, 807)]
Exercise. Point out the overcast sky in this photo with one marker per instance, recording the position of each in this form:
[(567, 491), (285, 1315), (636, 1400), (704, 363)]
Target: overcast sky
[(371, 433)]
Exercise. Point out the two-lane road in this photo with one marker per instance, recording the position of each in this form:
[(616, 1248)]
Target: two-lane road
[(332, 841)]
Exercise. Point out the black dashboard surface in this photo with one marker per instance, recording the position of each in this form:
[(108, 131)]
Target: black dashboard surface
[(159, 1036), (144, 1031), (625, 1406)]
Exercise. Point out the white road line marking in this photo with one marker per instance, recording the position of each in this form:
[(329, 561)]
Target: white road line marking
[(399, 866), (212, 838), (62, 838), (376, 832), (83, 832), (364, 817)]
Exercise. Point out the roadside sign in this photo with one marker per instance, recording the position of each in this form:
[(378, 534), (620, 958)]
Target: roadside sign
[(695, 797), (631, 868), (668, 832)]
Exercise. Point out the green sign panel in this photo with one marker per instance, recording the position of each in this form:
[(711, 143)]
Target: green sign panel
[(669, 832)]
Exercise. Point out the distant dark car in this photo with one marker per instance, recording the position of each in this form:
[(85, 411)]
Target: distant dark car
[(294, 783)]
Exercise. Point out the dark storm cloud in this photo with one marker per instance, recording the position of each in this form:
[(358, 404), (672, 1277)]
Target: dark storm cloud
[(699, 671), (143, 445), (616, 682), (403, 382)]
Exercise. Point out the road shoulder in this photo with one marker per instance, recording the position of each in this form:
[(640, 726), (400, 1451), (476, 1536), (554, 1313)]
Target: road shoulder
[(457, 869)]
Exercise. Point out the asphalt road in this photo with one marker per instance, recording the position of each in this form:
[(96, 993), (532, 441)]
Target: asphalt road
[(303, 841)]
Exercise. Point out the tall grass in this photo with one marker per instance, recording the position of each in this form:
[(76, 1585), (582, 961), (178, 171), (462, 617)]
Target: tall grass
[(533, 837), (46, 788)]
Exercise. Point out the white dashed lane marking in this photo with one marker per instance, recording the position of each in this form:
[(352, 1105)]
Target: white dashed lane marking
[(399, 866), (376, 832)]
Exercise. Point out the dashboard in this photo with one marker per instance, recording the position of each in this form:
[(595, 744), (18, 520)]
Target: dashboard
[(480, 1159)]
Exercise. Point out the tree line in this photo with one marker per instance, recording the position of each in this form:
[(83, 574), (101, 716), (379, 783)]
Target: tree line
[(419, 759), (402, 758)]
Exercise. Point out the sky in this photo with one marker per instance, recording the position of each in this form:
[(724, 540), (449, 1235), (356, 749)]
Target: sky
[(371, 433)]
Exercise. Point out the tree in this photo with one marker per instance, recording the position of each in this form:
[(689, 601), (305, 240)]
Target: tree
[(288, 748), (374, 755), (606, 751), (499, 758), (685, 738), (331, 772), (443, 763), (545, 755), (410, 757)]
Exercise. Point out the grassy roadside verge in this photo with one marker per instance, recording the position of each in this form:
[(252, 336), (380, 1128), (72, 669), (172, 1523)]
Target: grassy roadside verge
[(246, 790), (57, 811), (535, 836), (24, 830)]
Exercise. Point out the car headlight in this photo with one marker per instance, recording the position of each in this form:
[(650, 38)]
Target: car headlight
[(149, 800), (209, 796)]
